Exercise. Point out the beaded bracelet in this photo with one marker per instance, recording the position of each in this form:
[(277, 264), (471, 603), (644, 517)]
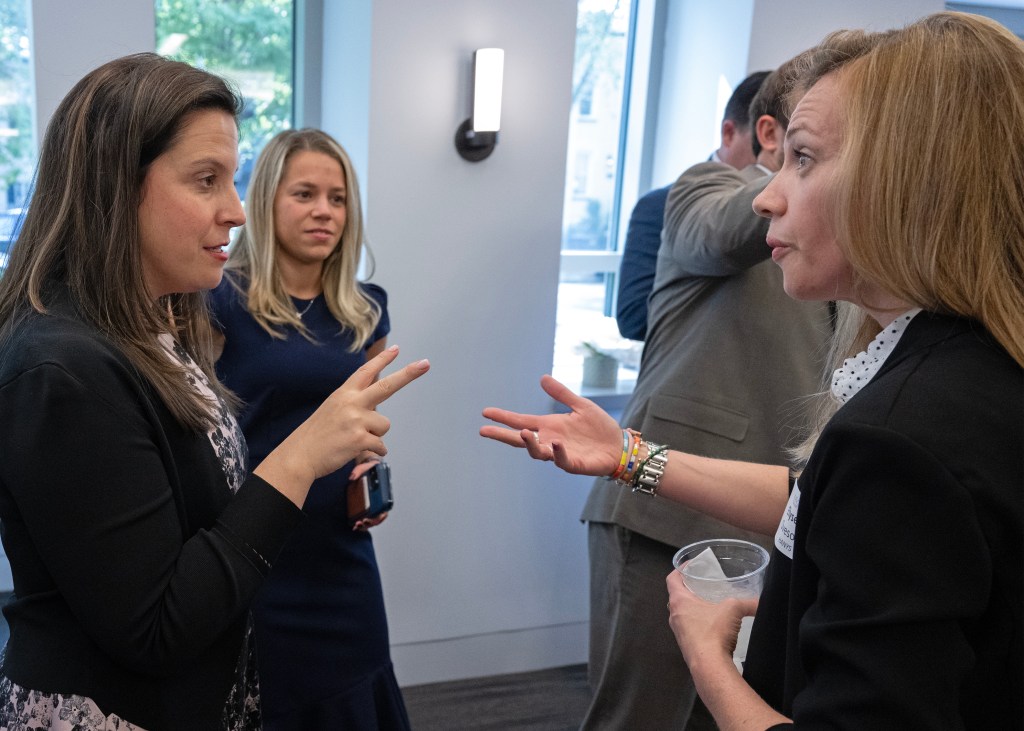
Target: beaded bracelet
[(626, 478), (625, 455), (630, 467), (630, 449)]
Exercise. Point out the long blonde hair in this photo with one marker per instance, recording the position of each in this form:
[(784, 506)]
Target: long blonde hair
[(81, 231), (254, 255), (929, 194), (931, 189)]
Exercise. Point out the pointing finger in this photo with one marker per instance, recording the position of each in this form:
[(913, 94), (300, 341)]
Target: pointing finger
[(371, 369), (379, 391)]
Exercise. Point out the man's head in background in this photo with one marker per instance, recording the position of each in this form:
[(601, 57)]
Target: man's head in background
[(737, 144)]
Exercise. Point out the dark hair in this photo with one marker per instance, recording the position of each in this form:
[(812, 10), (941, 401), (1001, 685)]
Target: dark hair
[(737, 110), (82, 230), (772, 98)]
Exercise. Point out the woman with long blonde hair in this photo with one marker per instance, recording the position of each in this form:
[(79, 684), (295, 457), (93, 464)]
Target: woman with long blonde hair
[(894, 597), (294, 322)]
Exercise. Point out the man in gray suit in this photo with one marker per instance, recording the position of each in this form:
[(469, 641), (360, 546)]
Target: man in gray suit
[(727, 361), (643, 235)]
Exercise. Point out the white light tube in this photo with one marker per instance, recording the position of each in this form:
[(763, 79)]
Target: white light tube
[(488, 67)]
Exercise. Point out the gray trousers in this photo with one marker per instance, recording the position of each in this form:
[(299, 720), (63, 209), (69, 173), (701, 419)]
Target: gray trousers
[(636, 672)]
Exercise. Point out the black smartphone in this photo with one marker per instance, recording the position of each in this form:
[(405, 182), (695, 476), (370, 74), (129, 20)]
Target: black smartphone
[(370, 495)]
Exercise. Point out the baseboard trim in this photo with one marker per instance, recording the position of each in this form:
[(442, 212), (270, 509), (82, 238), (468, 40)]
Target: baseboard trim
[(498, 653)]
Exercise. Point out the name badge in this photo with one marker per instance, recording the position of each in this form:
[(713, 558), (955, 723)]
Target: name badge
[(786, 533)]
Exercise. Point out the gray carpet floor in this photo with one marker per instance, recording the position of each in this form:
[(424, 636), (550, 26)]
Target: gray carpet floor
[(543, 700)]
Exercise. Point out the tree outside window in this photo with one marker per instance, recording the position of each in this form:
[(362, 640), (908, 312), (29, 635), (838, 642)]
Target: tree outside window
[(248, 42), (590, 214), (594, 130), (17, 145)]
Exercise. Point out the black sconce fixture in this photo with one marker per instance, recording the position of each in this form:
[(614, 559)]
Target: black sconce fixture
[(476, 137)]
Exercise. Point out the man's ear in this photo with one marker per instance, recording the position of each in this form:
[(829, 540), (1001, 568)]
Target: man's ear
[(728, 132), (769, 133)]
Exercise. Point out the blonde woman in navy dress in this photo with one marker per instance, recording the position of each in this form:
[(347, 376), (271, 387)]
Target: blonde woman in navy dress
[(295, 323)]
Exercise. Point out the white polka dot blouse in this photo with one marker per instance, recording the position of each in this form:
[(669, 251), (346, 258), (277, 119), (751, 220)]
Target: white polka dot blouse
[(861, 368)]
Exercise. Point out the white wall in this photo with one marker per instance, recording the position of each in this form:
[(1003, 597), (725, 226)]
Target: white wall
[(705, 42), (345, 82), (784, 28), (708, 42)]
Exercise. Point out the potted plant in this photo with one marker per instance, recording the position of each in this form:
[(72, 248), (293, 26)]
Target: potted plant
[(600, 370)]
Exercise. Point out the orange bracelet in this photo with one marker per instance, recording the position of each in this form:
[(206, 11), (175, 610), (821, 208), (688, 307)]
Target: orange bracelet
[(634, 463)]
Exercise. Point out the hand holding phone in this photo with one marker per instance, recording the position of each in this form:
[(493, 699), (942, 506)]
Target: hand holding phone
[(369, 496)]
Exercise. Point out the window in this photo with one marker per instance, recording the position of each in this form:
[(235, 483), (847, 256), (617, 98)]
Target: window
[(248, 42), (585, 101), (1009, 14), (603, 159), (17, 143)]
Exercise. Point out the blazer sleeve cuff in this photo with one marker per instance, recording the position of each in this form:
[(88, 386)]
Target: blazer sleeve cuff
[(258, 522)]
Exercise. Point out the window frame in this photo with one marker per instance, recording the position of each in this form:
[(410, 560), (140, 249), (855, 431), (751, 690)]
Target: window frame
[(632, 178)]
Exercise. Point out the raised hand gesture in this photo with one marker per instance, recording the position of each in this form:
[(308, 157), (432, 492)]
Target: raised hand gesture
[(345, 426), (585, 441)]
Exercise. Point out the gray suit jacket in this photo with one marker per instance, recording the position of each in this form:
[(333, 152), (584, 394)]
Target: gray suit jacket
[(729, 357)]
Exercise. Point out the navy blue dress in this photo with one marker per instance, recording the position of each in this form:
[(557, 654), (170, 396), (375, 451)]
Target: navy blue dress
[(321, 630)]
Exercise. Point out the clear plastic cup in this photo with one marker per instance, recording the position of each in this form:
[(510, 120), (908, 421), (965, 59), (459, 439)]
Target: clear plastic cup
[(741, 562)]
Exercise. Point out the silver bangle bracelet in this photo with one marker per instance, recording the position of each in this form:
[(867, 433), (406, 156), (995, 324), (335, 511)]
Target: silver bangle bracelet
[(651, 470)]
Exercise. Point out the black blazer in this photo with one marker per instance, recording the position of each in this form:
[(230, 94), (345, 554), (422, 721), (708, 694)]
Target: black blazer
[(133, 564), (902, 604)]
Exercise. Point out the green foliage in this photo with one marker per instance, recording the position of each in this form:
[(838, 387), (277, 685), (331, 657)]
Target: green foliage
[(594, 34), (17, 152), (249, 42)]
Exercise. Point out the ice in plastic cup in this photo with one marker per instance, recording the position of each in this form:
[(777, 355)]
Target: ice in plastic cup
[(722, 568)]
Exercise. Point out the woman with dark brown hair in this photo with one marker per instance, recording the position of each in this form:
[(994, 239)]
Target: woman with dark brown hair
[(136, 539)]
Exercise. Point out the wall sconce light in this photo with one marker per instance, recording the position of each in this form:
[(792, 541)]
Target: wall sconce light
[(476, 137)]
